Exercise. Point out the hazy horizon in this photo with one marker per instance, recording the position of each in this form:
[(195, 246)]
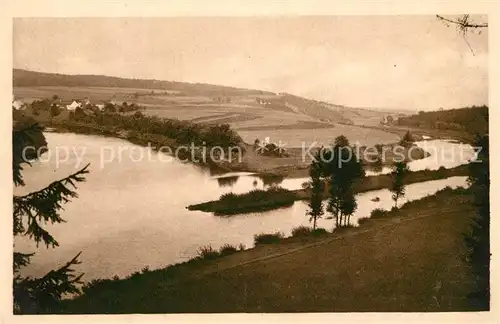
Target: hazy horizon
[(373, 62)]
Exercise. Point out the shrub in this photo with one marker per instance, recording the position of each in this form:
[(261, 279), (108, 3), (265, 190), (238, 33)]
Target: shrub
[(319, 231), (241, 247), (134, 275), (377, 213), (301, 231), (227, 249), (343, 228), (207, 252), (461, 191), (362, 220), (268, 238)]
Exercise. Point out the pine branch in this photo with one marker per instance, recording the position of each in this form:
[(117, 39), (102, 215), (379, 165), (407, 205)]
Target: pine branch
[(43, 206), (44, 294), (25, 137), (21, 260)]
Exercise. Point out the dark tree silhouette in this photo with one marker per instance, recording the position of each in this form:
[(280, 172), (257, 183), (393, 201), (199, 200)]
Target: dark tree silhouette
[(341, 165), (478, 239), (30, 213), (317, 189), (398, 187)]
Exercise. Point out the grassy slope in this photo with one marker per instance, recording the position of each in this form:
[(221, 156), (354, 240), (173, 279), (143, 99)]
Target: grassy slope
[(196, 100), (410, 261)]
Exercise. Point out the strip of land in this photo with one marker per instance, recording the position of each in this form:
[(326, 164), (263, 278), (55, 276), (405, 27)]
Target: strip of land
[(272, 199), (410, 260)]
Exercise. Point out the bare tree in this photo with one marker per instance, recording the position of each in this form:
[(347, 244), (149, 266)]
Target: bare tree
[(464, 25)]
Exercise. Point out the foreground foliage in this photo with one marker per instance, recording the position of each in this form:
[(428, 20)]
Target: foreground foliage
[(478, 238), (272, 238), (30, 213)]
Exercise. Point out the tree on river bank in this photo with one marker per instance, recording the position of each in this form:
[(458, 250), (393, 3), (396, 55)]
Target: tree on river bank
[(341, 166), (317, 189), (30, 213), (398, 186)]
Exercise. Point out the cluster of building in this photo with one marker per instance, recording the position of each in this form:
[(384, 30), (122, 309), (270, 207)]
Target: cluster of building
[(84, 103), (261, 101), (72, 105), (18, 105)]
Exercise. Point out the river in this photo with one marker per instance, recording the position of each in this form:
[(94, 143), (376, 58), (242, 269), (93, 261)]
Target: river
[(130, 213)]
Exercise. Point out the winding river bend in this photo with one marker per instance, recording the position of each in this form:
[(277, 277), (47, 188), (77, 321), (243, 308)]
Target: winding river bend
[(130, 213)]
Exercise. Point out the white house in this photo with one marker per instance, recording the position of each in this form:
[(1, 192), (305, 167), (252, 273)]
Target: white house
[(73, 105), (100, 106), (18, 105)]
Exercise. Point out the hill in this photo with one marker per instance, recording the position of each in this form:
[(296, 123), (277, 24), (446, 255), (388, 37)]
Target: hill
[(469, 119), (252, 113), (25, 78)]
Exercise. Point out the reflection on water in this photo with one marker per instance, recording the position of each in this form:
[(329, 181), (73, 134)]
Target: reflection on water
[(227, 181), (443, 153), (271, 180), (246, 182), (132, 214)]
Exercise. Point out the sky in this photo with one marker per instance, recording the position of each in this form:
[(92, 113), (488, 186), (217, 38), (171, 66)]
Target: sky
[(400, 62)]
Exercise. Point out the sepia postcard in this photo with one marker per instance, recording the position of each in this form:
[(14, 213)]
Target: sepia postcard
[(307, 162)]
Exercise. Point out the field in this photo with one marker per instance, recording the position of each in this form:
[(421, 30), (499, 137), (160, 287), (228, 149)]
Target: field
[(279, 121), (322, 136), (374, 267)]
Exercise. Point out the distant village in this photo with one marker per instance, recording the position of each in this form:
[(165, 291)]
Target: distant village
[(72, 105)]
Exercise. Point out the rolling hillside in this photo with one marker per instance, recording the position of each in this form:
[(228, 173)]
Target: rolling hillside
[(24, 78), (253, 113)]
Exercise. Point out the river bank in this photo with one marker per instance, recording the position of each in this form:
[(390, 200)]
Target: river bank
[(294, 165), (268, 200), (351, 270)]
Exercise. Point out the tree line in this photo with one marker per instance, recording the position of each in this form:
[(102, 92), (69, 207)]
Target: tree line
[(184, 132), (471, 119)]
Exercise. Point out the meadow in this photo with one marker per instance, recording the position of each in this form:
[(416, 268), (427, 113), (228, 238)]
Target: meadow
[(287, 118)]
